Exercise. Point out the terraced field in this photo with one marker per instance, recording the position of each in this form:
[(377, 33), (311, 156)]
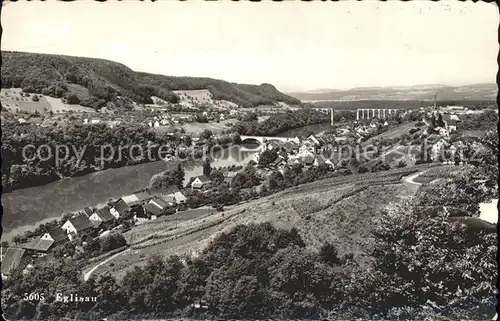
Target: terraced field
[(341, 210), (441, 172)]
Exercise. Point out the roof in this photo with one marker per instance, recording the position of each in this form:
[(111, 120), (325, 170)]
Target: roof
[(88, 211), (58, 234), (164, 200), (143, 196), (11, 257), (204, 179), (434, 139), (81, 222), (153, 209), (105, 214), (170, 190), (320, 160), (38, 245), (121, 207), (131, 199)]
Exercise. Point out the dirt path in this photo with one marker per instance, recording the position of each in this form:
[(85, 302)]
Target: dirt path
[(87, 275)]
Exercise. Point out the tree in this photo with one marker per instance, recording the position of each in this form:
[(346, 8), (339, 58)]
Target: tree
[(73, 99), (206, 134), (422, 257), (267, 157), (207, 169)]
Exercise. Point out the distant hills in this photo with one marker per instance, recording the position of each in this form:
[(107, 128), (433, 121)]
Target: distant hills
[(420, 92), (97, 82)]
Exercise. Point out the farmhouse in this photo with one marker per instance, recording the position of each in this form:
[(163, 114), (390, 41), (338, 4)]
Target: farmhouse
[(11, 259), (56, 234), (102, 216), (200, 181), (38, 247), (451, 122), (77, 225)]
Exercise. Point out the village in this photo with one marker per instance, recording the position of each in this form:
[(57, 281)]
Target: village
[(435, 127)]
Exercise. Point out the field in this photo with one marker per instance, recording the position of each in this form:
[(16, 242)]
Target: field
[(193, 98), (393, 132), (437, 173), (343, 210), (13, 99), (197, 128)]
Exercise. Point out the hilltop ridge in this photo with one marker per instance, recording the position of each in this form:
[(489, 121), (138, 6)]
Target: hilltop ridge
[(483, 92), (97, 82)]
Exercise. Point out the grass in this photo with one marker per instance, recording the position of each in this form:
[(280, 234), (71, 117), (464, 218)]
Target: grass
[(13, 99), (393, 132), (441, 172), (341, 210)]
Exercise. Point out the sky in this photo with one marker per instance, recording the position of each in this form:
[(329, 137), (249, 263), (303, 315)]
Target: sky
[(296, 46)]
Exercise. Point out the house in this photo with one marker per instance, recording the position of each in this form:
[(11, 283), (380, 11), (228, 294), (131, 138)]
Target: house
[(451, 121), (78, 225), (102, 216), (314, 140), (200, 181), (169, 200), (156, 124), (11, 258), (278, 162), (329, 163), (57, 234), (38, 247), (318, 161), (291, 147), (143, 197), (131, 200), (437, 144), (95, 121), (152, 210), (170, 191)]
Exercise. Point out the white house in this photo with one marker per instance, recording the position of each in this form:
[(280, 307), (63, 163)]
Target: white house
[(114, 212), (56, 234), (95, 121), (77, 225), (200, 181), (156, 124)]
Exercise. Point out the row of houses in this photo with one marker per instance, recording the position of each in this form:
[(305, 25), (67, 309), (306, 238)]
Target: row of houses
[(150, 203)]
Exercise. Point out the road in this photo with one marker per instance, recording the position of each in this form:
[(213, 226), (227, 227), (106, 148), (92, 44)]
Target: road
[(87, 275), (410, 179)]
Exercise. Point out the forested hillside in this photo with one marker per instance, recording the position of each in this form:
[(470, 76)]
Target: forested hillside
[(96, 82)]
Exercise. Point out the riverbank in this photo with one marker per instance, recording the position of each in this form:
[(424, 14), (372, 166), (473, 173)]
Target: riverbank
[(24, 209)]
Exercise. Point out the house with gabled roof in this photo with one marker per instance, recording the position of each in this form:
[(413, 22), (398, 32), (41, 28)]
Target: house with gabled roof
[(57, 234), (78, 225), (102, 217), (37, 247), (200, 182)]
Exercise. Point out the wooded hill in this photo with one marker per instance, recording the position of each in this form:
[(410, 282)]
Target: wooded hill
[(97, 81)]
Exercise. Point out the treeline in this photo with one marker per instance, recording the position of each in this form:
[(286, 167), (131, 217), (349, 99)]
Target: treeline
[(402, 104), (83, 148), (95, 82), (279, 123), (423, 266)]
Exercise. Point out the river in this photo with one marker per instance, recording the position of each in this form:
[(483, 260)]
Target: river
[(24, 209)]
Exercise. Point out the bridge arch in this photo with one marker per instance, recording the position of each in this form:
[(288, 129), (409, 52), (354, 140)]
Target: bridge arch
[(251, 141)]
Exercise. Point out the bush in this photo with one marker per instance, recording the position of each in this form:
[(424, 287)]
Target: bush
[(35, 98), (72, 99)]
